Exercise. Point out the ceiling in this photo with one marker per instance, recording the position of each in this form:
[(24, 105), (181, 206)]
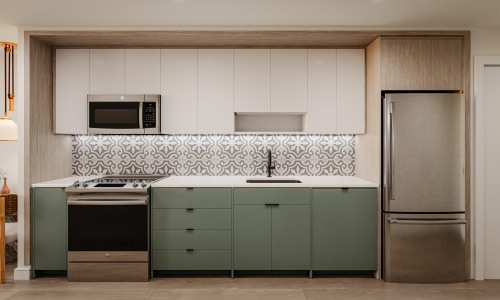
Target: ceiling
[(250, 13)]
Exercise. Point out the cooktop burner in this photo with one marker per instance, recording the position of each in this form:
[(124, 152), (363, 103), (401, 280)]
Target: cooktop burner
[(116, 183)]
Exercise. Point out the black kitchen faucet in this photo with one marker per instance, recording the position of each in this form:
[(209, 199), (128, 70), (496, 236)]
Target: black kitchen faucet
[(270, 164)]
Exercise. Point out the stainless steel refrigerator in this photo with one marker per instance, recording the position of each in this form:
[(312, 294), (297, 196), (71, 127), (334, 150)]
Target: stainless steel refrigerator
[(424, 187)]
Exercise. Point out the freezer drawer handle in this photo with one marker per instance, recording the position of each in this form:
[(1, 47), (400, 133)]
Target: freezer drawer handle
[(426, 221)]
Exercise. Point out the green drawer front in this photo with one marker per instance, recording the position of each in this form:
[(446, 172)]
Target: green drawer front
[(272, 196), (191, 198), (193, 239), (196, 219), (191, 260)]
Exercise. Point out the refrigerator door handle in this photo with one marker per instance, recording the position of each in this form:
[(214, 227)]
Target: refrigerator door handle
[(426, 221), (391, 150)]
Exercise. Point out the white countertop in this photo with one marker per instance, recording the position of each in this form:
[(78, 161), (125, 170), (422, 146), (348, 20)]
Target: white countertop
[(240, 181), (64, 182)]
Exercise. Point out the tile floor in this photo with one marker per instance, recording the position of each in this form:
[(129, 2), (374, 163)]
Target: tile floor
[(245, 288)]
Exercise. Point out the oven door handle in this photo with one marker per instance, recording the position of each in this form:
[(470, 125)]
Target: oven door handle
[(104, 202)]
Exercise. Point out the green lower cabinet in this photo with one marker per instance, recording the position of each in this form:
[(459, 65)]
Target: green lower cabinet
[(252, 237), (345, 229), (291, 233), (275, 232), (191, 229), (49, 229)]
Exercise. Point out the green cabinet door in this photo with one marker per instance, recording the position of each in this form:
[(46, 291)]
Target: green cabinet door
[(49, 229), (291, 235), (345, 229), (252, 237)]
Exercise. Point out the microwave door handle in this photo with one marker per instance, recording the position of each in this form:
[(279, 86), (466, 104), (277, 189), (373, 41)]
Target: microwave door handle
[(141, 114)]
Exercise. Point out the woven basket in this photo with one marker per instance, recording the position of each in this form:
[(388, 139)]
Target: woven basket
[(10, 204)]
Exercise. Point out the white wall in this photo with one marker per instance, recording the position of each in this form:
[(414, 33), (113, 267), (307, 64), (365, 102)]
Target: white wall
[(485, 42), (8, 150)]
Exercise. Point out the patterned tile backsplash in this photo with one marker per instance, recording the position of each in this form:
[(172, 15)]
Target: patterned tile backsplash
[(214, 155)]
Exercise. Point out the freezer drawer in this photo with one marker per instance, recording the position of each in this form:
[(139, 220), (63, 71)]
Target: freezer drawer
[(424, 248)]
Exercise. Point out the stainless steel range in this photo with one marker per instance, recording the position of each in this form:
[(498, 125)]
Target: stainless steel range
[(108, 228)]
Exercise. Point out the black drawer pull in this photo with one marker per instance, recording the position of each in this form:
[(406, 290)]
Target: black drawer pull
[(345, 189), (189, 250), (189, 188), (271, 204), (190, 209), (189, 229)]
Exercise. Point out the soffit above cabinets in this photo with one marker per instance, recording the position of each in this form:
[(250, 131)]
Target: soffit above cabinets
[(220, 38)]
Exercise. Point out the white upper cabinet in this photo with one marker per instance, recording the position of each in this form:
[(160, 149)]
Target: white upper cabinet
[(107, 71), (252, 80), (179, 91), (289, 80), (72, 87), (322, 91), (142, 71), (215, 91), (351, 91)]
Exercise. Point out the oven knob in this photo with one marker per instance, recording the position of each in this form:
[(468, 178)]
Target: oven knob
[(135, 184), (85, 184), (76, 184), (143, 184)]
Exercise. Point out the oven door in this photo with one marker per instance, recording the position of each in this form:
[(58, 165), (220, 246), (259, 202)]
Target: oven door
[(113, 114), (101, 225)]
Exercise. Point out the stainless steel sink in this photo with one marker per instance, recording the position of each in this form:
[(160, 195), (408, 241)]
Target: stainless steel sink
[(273, 180)]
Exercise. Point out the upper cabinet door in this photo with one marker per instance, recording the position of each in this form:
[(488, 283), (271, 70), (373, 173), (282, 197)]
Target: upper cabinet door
[(321, 115), (179, 91), (252, 80), (350, 91), (72, 87), (107, 71), (142, 71), (215, 91), (289, 80), (421, 63)]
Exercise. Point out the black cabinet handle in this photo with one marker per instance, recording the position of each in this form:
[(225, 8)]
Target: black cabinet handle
[(189, 188), (189, 209), (344, 189), (271, 204), (189, 229), (189, 250), (268, 204)]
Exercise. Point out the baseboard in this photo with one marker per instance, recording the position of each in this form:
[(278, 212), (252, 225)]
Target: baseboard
[(22, 273)]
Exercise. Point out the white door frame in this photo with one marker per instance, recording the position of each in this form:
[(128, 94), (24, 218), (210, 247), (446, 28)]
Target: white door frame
[(477, 245)]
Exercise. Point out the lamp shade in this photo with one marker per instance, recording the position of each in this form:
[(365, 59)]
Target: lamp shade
[(8, 130)]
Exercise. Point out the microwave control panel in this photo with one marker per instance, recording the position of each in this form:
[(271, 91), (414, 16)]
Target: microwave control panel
[(149, 117)]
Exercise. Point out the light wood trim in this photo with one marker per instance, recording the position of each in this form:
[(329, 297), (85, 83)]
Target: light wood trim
[(2, 240), (110, 272), (46, 156), (466, 75), (108, 256), (227, 38)]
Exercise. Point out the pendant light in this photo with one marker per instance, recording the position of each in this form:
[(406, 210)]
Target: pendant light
[(8, 129)]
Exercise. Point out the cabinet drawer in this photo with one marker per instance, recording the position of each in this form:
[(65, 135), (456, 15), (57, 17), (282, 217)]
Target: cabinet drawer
[(191, 198), (272, 195), (192, 239), (192, 260), (191, 218)]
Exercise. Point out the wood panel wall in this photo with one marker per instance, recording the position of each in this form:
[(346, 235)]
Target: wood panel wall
[(47, 156), (368, 146)]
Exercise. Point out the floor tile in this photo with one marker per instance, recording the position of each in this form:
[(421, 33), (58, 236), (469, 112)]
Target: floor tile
[(373, 294), (228, 294), (57, 294)]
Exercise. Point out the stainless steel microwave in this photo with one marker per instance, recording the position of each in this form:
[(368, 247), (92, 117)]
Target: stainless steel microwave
[(123, 114)]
